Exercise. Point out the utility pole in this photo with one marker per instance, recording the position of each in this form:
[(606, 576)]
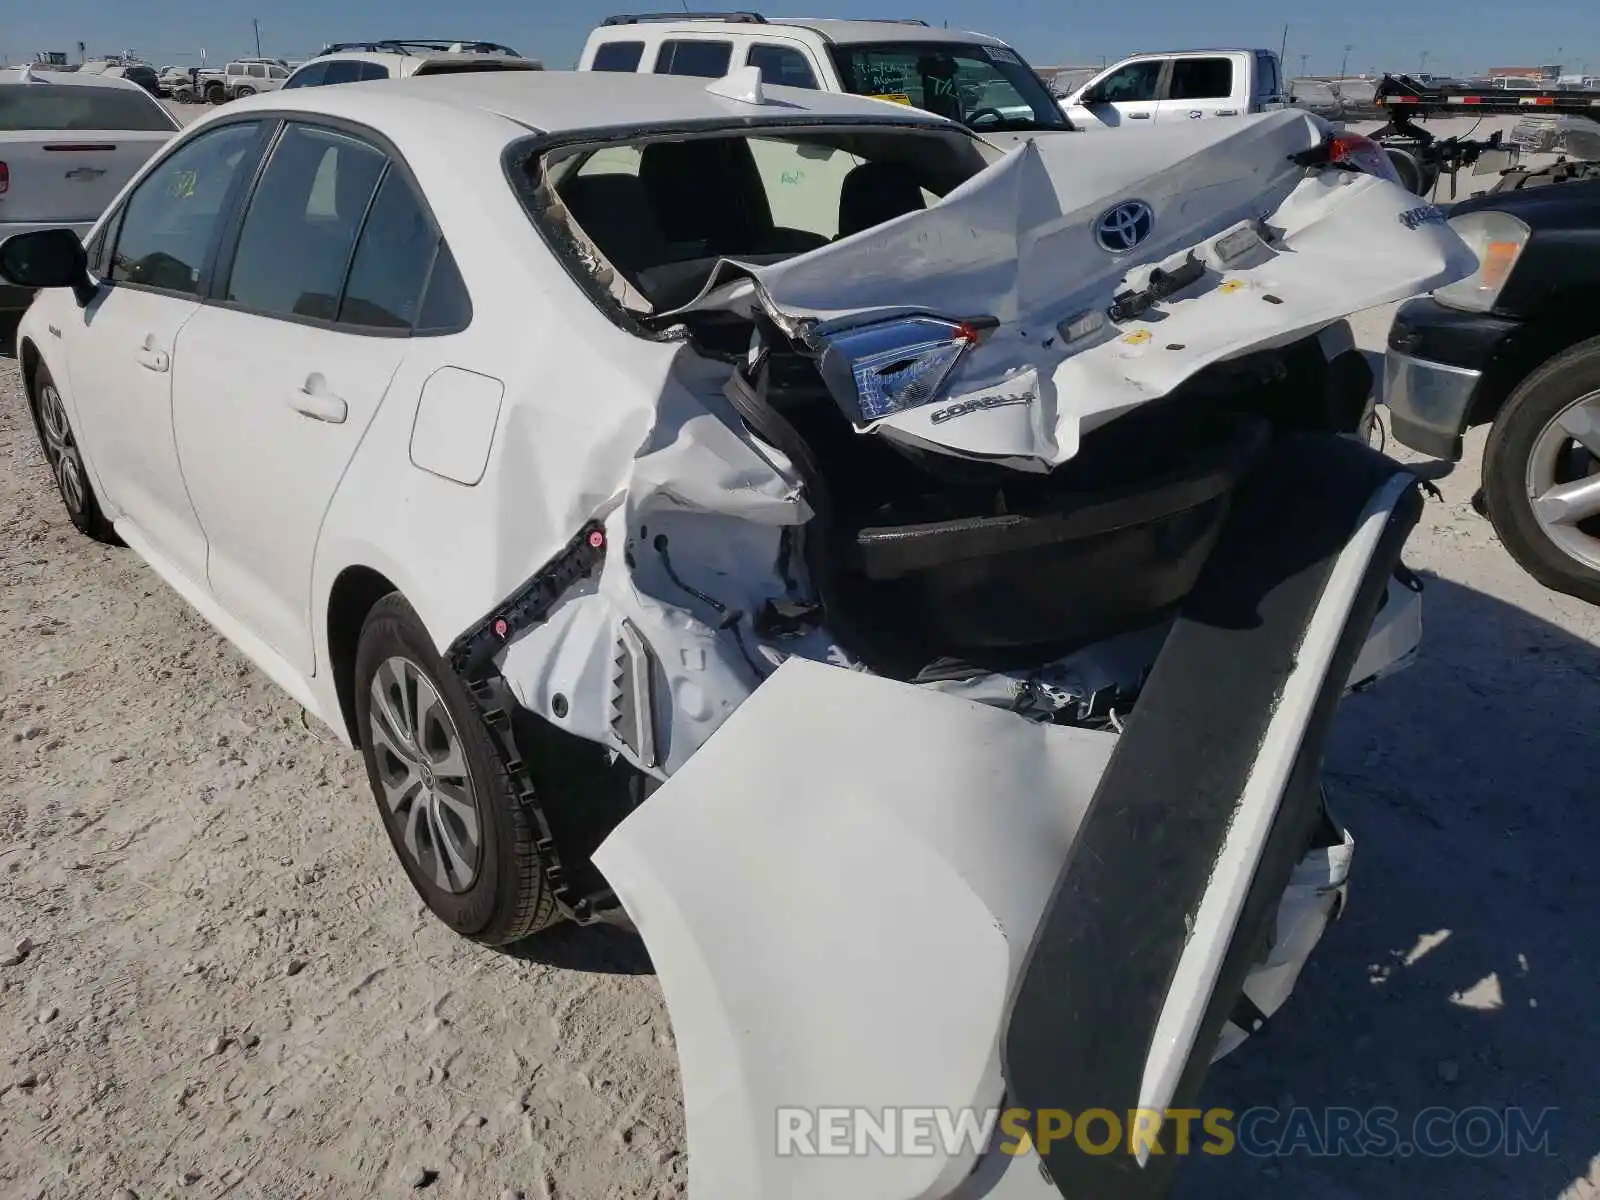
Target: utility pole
[(1345, 61), (257, 25), (1303, 60), (1283, 46), (1424, 62)]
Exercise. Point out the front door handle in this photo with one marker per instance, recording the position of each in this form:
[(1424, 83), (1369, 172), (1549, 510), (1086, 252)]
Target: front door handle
[(319, 405), (154, 360), (1137, 116)]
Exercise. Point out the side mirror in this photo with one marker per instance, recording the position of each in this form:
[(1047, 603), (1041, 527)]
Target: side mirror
[(1093, 95), (47, 258)]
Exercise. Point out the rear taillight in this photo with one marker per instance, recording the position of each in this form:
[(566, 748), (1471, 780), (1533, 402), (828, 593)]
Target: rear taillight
[(5, 179), (1361, 152)]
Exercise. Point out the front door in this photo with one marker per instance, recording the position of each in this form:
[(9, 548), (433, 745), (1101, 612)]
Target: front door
[(280, 377), (1127, 96), (124, 342)]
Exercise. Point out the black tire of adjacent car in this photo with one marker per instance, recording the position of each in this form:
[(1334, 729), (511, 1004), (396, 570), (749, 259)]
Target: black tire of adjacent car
[(510, 897), (85, 515), (241, 93), (1536, 401), (216, 94)]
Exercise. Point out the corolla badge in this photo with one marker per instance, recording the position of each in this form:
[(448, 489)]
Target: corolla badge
[(1122, 227)]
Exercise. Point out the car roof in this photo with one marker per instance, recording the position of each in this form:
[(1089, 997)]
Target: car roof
[(32, 76), (838, 31), (398, 58), (574, 101)]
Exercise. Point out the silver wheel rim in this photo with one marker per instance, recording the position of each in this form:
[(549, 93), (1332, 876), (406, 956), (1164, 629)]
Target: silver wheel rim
[(1563, 480), (61, 451), (422, 772)]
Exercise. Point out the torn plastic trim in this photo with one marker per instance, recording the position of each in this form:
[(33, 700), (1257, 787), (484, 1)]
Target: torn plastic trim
[(472, 655)]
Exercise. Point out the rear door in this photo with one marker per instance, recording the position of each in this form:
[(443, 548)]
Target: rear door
[(1128, 96), (280, 374), (69, 148), (1202, 86)]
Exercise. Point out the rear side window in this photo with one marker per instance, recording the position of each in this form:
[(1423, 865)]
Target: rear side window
[(352, 70), (709, 60), (64, 107), (300, 228), (258, 71), (782, 65), (392, 259), (1202, 79), (618, 56)]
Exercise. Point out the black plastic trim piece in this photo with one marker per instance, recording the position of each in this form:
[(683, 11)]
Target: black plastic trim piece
[(530, 604), (471, 656)]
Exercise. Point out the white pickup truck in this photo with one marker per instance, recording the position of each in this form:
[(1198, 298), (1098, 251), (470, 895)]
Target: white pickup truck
[(1181, 85)]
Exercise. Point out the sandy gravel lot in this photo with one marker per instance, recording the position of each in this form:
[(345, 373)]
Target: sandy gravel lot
[(222, 984)]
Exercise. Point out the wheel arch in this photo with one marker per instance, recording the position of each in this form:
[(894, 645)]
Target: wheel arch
[(355, 591), (29, 356), (1506, 376)]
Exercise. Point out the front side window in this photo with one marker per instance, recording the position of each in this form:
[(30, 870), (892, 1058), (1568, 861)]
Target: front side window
[(1135, 82), (988, 88), (277, 73), (1202, 79), (300, 228), (61, 109), (782, 65), (618, 56), (310, 75), (170, 220), (706, 59)]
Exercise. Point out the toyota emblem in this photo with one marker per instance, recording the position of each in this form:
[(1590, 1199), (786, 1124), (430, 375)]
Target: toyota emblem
[(1121, 228)]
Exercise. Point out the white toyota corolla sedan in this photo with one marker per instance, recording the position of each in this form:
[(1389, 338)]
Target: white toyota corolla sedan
[(911, 579)]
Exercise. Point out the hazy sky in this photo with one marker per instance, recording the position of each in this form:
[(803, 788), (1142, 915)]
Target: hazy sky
[(1391, 34)]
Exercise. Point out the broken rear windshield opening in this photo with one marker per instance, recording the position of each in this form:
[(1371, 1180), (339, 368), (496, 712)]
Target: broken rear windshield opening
[(987, 88), (655, 215)]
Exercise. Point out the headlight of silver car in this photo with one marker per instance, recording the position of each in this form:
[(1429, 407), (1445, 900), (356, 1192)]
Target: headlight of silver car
[(875, 370), (1497, 239)]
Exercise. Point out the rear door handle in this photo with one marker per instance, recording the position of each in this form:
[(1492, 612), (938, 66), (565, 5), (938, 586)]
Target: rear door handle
[(154, 360), (319, 406), (1139, 116)]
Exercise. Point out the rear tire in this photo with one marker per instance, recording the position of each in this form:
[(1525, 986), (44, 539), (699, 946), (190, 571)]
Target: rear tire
[(463, 838), (241, 93), (65, 460), (216, 95), (1547, 436)]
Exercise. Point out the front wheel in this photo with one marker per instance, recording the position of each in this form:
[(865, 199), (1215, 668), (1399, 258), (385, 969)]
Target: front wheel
[(65, 460), (1541, 473), (463, 837), (243, 92)]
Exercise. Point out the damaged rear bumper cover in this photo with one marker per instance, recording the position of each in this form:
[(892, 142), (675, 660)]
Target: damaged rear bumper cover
[(863, 893)]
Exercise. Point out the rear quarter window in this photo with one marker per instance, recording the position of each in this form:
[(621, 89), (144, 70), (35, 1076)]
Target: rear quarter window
[(706, 59), (618, 56)]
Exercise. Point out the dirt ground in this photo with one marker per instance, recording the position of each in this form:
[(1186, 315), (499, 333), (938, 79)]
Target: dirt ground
[(216, 980)]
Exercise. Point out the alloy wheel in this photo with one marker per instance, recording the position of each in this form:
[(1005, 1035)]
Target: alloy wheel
[(422, 766), (61, 450), (1563, 480)]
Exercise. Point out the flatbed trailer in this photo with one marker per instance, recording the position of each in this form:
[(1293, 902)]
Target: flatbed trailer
[(1421, 158)]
